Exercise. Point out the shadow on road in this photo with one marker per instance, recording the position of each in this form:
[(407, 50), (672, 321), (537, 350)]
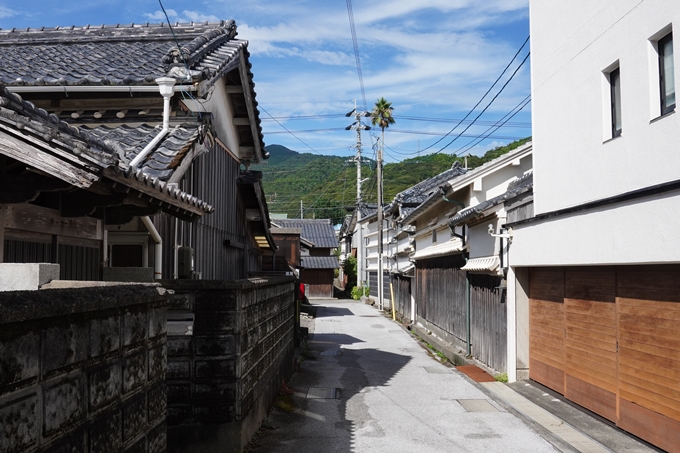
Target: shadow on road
[(331, 425)]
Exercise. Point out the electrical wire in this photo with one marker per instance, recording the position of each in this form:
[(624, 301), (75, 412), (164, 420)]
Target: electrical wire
[(291, 133), (488, 105), (484, 96), (355, 43)]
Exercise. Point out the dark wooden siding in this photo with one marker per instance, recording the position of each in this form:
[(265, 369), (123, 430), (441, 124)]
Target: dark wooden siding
[(373, 284), (402, 295), (440, 293), (319, 282), (212, 178), (488, 321), (75, 262)]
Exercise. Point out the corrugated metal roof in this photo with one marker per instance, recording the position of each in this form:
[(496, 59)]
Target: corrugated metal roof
[(319, 262), (318, 231), (449, 247), (486, 265)]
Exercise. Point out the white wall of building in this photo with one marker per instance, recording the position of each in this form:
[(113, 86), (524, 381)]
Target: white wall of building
[(572, 43), (576, 161)]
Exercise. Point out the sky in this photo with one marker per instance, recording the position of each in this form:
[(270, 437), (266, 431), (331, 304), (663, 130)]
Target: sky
[(432, 59)]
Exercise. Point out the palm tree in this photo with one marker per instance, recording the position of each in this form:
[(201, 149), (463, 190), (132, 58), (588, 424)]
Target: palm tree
[(381, 116)]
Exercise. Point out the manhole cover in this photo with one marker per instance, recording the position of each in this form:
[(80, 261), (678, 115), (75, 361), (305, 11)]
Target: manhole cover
[(323, 393), (436, 370), (477, 406), (332, 352)]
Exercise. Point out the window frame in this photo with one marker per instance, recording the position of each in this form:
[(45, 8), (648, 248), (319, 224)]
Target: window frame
[(665, 109), (615, 101)]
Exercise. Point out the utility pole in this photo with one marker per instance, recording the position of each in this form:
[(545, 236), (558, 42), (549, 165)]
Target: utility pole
[(380, 226), (302, 212), (358, 126)]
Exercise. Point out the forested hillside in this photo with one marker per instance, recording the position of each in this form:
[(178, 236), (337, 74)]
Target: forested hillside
[(327, 184)]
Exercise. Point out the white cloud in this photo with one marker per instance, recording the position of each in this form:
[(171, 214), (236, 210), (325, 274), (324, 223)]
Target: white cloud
[(7, 12), (187, 16)]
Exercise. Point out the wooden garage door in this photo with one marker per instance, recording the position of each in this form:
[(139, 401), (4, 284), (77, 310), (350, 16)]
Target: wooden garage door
[(649, 353), (547, 327), (612, 344), (590, 317)]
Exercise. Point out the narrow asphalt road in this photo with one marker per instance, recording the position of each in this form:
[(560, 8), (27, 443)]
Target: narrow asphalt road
[(366, 385)]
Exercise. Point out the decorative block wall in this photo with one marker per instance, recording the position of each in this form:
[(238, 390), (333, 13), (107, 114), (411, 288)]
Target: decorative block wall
[(83, 370), (241, 348)]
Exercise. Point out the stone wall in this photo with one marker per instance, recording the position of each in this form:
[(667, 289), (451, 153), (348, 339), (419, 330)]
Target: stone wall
[(223, 377), (83, 370)]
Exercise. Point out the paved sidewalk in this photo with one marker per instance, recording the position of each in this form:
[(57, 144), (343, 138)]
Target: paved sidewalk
[(368, 386)]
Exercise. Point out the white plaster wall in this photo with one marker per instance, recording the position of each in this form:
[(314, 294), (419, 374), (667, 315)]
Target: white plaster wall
[(572, 43), (642, 232), (496, 183), (219, 105)]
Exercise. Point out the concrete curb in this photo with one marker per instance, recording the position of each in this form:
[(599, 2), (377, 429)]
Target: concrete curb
[(445, 348)]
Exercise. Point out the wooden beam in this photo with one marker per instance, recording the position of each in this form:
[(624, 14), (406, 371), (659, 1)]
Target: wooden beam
[(241, 121), (30, 155), (27, 217), (231, 89), (2, 233)]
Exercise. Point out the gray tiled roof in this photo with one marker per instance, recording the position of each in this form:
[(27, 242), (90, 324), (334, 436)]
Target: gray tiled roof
[(126, 55), (48, 132), (318, 231), (114, 55), (320, 262), (516, 187), (420, 192), (164, 159)]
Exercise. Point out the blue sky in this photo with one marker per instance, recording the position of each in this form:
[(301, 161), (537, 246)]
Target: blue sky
[(433, 59)]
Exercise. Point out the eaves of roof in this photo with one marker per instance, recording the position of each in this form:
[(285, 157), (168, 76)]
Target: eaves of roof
[(468, 178), (90, 158), (516, 187), (129, 55), (318, 231)]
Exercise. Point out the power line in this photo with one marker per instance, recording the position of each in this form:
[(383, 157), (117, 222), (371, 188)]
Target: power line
[(301, 141), (482, 98), (524, 103), (355, 43), (488, 105)]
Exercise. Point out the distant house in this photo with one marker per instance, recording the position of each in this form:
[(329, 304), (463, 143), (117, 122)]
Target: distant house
[(595, 269), (317, 260), (161, 114)]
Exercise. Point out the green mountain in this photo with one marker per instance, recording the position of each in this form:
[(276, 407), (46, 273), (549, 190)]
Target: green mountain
[(327, 184)]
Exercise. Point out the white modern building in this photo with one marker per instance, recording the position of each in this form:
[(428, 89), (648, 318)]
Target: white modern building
[(595, 271)]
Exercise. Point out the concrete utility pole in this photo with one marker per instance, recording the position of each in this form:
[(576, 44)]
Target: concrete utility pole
[(302, 212), (380, 226), (358, 126)]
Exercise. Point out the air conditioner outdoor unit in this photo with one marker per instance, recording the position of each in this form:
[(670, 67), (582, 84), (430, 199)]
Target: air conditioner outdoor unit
[(185, 264)]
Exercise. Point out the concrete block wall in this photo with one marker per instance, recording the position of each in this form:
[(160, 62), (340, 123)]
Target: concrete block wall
[(222, 379), (83, 370)]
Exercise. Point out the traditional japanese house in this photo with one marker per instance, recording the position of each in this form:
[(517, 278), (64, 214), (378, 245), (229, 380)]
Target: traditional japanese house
[(317, 261), (159, 111)]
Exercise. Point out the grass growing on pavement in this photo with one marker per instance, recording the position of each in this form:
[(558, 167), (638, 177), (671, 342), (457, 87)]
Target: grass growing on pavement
[(502, 377)]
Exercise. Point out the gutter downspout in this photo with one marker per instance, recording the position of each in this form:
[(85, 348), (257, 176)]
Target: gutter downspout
[(158, 250), (165, 86)]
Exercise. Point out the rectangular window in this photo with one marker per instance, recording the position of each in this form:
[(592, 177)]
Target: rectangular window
[(434, 236), (615, 96), (667, 74)]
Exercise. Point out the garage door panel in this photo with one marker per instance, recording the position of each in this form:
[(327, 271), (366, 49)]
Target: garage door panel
[(589, 335), (649, 425), (649, 400), (646, 338), (668, 395), (550, 376), (669, 380), (580, 352), (597, 399), (659, 310), (669, 358), (585, 365)]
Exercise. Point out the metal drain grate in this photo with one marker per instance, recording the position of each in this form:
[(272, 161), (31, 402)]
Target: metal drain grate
[(323, 393), (436, 370), (478, 406), (332, 352)]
